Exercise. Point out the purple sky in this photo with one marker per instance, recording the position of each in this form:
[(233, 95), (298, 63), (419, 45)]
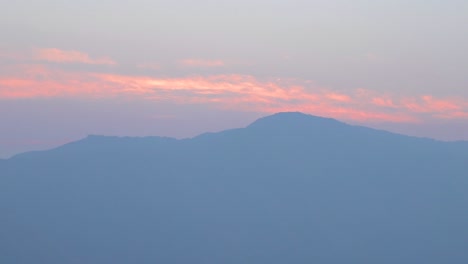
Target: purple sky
[(180, 68)]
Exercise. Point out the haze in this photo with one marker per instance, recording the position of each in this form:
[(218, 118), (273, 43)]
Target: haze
[(180, 68), (287, 188)]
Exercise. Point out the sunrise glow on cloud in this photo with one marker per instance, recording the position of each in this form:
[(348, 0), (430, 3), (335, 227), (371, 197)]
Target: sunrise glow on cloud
[(69, 56), (201, 63), (69, 69), (227, 91)]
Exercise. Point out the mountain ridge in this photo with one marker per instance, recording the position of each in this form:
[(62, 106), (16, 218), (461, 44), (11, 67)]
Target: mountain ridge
[(288, 122), (299, 193)]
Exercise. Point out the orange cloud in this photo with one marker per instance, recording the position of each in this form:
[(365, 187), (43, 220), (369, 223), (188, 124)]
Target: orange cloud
[(201, 63), (69, 56)]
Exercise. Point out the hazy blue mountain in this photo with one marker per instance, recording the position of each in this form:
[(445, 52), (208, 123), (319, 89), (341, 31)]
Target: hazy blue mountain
[(289, 188)]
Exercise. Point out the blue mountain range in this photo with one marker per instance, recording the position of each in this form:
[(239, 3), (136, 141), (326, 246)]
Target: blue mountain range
[(289, 188)]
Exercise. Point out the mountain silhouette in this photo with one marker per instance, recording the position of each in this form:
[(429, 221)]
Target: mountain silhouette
[(289, 188)]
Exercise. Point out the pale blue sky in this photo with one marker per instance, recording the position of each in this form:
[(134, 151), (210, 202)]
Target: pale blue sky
[(386, 57)]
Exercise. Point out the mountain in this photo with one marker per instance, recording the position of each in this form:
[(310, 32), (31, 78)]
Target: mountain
[(289, 188)]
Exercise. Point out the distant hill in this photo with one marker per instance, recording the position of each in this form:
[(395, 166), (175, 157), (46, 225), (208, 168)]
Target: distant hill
[(289, 188)]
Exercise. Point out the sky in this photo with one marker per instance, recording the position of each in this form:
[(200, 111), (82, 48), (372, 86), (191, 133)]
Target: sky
[(180, 68)]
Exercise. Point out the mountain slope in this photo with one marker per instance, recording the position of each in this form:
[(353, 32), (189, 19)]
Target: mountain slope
[(289, 188)]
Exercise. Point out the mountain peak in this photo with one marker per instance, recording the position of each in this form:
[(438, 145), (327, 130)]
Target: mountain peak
[(292, 119)]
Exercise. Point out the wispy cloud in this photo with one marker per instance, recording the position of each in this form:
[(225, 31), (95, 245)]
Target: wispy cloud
[(384, 102), (69, 56), (201, 63), (240, 92), (338, 97)]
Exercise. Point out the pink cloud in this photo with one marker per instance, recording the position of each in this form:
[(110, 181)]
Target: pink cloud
[(338, 97), (37, 81), (437, 105), (240, 92), (383, 102), (69, 56), (201, 63), (429, 104)]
